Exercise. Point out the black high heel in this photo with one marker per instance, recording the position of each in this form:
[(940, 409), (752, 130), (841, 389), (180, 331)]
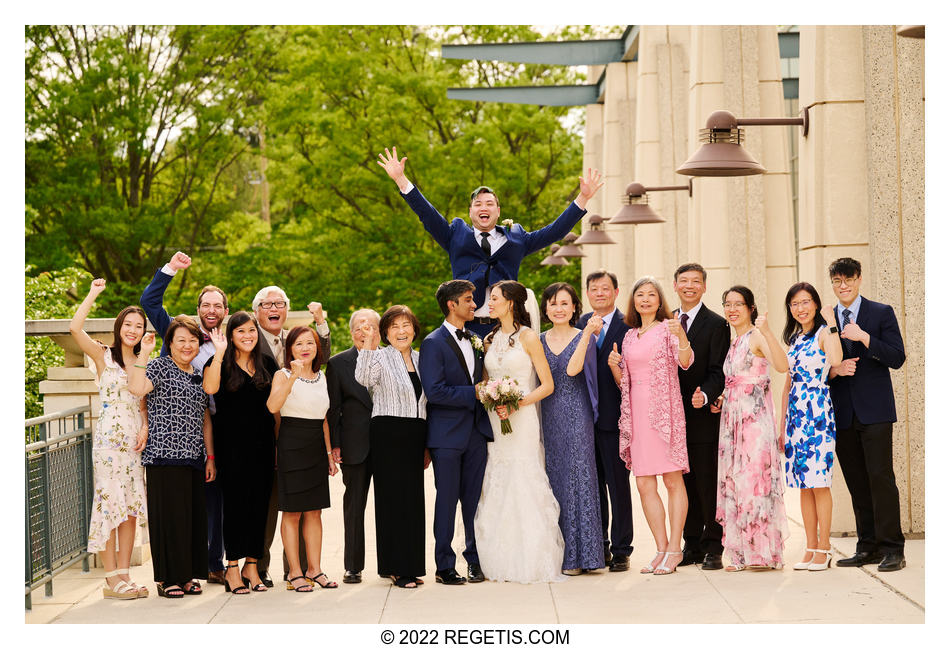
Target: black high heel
[(238, 590), (259, 588)]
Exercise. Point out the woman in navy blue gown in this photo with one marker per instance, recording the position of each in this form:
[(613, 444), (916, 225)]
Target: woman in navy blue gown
[(567, 426)]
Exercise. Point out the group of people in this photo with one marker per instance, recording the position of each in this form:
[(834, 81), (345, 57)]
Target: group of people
[(237, 420)]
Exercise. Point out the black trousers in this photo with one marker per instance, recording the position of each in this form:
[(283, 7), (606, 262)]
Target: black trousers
[(177, 523), (356, 479), (263, 564), (702, 533), (866, 455), (613, 480)]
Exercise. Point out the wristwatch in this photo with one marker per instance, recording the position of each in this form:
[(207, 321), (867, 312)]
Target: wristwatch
[(833, 329)]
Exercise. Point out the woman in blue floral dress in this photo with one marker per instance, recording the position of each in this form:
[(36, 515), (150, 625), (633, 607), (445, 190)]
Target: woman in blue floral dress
[(808, 422)]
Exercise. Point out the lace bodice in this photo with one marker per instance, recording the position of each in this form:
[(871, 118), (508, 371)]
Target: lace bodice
[(504, 359)]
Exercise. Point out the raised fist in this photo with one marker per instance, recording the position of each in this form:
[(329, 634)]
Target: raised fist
[(179, 261), (98, 286), (316, 310), (296, 368), (148, 343), (594, 325)]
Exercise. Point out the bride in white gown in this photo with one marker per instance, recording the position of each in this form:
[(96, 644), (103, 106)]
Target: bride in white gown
[(516, 523)]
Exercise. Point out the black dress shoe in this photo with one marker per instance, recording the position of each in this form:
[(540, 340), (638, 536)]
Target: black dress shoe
[(352, 577), (449, 577), (607, 555), (892, 561), (690, 557), (475, 574), (265, 579), (712, 562), (860, 559), (619, 564)]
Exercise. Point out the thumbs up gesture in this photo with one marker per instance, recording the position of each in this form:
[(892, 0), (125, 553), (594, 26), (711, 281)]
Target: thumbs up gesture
[(697, 399), (613, 360), (762, 323)]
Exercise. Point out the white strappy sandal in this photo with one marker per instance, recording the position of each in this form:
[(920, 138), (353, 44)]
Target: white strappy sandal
[(140, 591), (121, 591), (803, 565)]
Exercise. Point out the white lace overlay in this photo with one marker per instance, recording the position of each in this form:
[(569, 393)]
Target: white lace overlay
[(516, 530)]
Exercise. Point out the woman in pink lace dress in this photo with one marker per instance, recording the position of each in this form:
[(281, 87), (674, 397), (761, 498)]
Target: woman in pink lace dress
[(750, 506), (652, 424)]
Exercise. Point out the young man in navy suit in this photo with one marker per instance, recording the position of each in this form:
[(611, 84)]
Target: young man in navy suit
[(450, 364), (485, 253), (613, 477), (863, 400)]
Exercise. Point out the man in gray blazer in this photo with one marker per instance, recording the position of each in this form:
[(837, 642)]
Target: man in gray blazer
[(351, 409)]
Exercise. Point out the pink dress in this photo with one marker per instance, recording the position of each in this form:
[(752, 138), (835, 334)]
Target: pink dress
[(652, 423), (750, 506)]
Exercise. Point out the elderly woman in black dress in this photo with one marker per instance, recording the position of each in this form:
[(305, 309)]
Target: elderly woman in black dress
[(178, 458), (239, 376)]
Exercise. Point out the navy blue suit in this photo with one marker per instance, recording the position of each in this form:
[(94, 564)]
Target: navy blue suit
[(613, 477), (470, 262), (864, 418), (458, 432), (152, 302)]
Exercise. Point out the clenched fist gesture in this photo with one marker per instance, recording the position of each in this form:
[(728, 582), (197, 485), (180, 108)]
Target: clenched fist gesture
[(179, 261), (148, 343), (316, 310), (98, 286), (594, 325), (296, 368)]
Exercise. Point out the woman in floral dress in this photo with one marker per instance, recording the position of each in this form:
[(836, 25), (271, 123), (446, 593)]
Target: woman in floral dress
[(808, 420), (118, 500), (750, 504)]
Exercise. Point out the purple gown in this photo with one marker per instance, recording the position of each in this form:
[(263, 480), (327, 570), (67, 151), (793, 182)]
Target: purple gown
[(567, 426)]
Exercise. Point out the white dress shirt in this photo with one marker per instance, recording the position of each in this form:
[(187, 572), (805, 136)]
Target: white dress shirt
[(854, 308), (690, 316), (465, 345)]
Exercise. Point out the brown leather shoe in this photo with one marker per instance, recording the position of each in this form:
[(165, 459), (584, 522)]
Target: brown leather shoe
[(216, 577)]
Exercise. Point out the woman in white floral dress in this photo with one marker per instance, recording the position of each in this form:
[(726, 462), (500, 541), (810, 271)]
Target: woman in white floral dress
[(118, 501)]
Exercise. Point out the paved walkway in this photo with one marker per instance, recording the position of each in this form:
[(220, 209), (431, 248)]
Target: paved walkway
[(842, 595)]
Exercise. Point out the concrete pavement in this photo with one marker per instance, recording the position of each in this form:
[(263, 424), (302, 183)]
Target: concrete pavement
[(839, 595)]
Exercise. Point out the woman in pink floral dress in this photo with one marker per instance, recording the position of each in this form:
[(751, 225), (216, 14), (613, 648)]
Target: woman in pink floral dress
[(652, 423), (750, 506)]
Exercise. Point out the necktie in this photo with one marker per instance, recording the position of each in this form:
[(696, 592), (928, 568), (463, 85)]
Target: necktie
[(846, 344), (459, 333), (683, 320), (601, 336), (278, 349), (486, 247)]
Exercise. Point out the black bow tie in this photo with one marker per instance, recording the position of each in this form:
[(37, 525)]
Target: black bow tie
[(459, 333)]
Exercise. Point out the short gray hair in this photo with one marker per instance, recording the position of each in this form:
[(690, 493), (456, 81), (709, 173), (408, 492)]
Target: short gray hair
[(360, 312), (261, 294)]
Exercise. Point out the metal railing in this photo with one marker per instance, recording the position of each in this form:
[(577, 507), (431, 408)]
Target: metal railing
[(58, 495)]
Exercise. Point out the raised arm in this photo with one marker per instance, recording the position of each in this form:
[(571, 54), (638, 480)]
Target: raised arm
[(89, 346), (323, 330), (764, 343), (576, 364), (558, 229), (281, 386), (434, 223), (211, 379), (154, 294), (831, 342), (139, 384)]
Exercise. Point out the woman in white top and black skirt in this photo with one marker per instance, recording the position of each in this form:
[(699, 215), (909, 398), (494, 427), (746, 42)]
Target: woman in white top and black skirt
[(398, 453), (299, 394)]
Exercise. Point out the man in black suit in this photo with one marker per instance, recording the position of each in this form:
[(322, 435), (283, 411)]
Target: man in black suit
[(351, 409), (270, 307), (701, 384), (613, 477), (863, 400)]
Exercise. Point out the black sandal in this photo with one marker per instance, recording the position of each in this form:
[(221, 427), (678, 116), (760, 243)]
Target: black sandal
[(193, 588), (258, 588), (237, 590), (306, 587), (171, 592), (404, 582), (313, 580)]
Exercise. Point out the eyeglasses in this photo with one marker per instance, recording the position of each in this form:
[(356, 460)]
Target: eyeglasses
[(803, 303), (732, 305), (847, 281), (279, 304)]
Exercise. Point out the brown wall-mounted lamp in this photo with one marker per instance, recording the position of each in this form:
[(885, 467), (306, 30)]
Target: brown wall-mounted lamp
[(636, 209), (551, 260), (911, 31), (595, 235), (568, 249)]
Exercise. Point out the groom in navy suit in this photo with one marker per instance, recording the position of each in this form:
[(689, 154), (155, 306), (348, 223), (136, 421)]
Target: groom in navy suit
[(488, 253), (459, 429)]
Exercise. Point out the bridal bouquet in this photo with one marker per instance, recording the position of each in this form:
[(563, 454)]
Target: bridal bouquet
[(500, 392)]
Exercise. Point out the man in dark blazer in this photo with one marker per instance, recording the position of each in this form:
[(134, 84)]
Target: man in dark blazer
[(488, 253), (450, 363), (863, 400), (700, 385), (351, 409), (270, 307), (613, 477)]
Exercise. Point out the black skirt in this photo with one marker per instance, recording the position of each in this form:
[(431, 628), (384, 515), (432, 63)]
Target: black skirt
[(177, 523), (397, 446), (303, 482)]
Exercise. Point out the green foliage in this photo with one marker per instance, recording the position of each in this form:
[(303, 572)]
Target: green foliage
[(48, 295)]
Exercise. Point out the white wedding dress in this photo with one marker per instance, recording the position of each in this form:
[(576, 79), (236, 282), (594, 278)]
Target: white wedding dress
[(516, 523)]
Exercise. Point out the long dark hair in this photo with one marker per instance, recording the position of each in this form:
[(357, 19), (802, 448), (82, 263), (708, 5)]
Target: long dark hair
[(518, 294), (746, 294), (116, 349), (792, 326), (230, 370), (292, 337)]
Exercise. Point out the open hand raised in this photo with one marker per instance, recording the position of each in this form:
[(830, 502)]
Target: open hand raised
[(220, 341), (395, 168), (370, 334), (591, 183)]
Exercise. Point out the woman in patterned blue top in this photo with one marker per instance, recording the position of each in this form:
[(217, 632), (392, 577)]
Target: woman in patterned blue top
[(176, 466), (808, 422)]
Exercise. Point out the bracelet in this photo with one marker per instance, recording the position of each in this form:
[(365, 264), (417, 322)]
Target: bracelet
[(142, 366), (683, 349), (210, 457)]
